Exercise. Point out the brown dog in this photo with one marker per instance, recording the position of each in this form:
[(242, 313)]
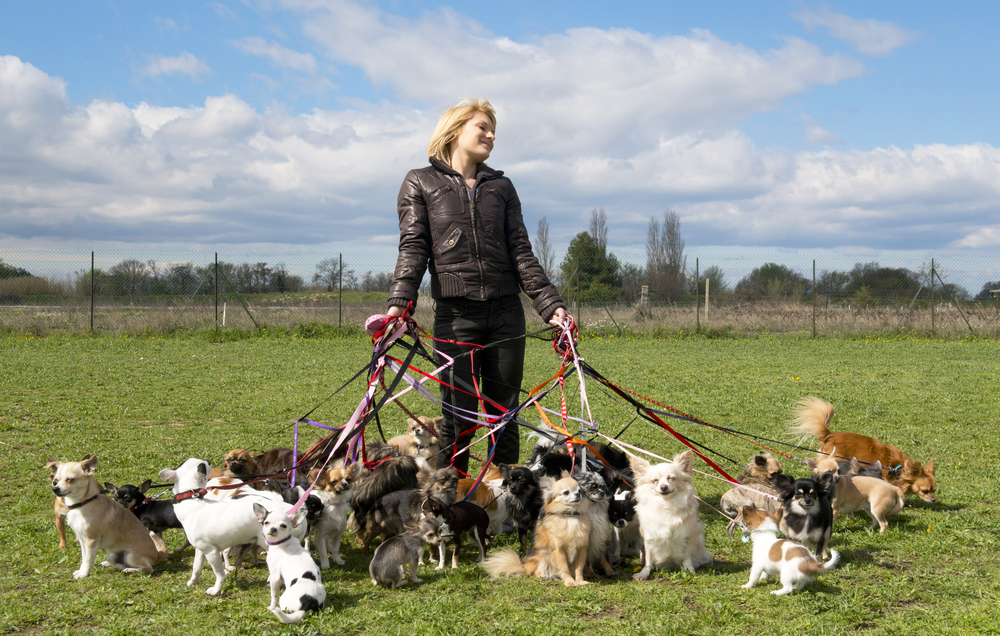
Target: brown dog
[(877, 498), (236, 463), (813, 418), (562, 535), (100, 523), (421, 440)]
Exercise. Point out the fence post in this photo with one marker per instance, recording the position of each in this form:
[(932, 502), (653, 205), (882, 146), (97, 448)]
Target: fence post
[(932, 296), (697, 290), (91, 291), (707, 280), (814, 298), (216, 292), (340, 292)]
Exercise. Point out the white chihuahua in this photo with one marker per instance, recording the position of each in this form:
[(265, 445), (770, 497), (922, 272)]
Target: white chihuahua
[(290, 564), (213, 526)]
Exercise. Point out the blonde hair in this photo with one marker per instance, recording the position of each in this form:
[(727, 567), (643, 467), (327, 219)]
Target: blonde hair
[(451, 123)]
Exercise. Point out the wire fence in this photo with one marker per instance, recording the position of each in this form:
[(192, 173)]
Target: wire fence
[(128, 292)]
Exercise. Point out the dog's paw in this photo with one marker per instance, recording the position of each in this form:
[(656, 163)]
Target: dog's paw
[(105, 564), (213, 591), (747, 586), (641, 575), (230, 568), (338, 560), (417, 580), (79, 574)]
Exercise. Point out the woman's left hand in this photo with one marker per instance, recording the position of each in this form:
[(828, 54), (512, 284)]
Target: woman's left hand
[(558, 318)]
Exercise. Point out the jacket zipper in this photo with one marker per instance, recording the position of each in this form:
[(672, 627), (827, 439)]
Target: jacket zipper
[(475, 234)]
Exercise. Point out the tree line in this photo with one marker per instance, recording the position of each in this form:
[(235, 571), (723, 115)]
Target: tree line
[(590, 272)]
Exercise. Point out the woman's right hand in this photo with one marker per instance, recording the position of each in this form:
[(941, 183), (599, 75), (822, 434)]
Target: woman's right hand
[(395, 311)]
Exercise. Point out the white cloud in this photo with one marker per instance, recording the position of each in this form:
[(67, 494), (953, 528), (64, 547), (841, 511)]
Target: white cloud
[(610, 92), (870, 37), (184, 64), (279, 55), (984, 237), (816, 135)]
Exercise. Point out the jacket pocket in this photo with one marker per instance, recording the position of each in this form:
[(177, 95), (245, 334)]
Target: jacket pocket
[(450, 242)]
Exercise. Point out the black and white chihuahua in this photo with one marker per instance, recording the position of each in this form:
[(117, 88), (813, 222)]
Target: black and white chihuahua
[(808, 517)]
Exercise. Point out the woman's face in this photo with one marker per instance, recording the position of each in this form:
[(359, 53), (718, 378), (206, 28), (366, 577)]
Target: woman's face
[(475, 138)]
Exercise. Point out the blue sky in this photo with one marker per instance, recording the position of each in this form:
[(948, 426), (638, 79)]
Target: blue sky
[(860, 127)]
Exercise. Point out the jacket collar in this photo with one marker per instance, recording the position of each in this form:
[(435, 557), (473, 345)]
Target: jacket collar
[(483, 173)]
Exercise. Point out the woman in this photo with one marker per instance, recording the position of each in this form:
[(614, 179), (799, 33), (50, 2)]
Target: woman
[(463, 219)]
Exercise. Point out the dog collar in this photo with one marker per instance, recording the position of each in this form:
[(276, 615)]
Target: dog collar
[(277, 542), (83, 503), (895, 470), (191, 494)]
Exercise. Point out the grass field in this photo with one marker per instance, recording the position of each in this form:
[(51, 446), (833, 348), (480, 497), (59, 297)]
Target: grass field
[(148, 403)]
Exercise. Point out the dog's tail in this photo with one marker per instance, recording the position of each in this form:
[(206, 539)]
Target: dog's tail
[(504, 563), (818, 567), (812, 418), (900, 501), (294, 617)]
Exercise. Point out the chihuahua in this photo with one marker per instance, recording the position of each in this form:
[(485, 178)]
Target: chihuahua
[(289, 564), (791, 562)]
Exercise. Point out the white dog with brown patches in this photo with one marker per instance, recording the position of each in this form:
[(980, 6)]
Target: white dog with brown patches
[(792, 562), (667, 509)]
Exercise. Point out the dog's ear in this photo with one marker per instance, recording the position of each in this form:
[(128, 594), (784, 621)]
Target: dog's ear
[(53, 463), (777, 515), (760, 460), (878, 466), (785, 486), (89, 464), (203, 468), (811, 463), (110, 487), (504, 470), (168, 474), (855, 467), (685, 461), (564, 474), (298, 517), (547, 485), (261, 512), (929, 467), (639, 466), (318, 477), (144, 486)]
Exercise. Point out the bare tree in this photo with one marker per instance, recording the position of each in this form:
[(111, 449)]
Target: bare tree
[(327, 273), (543, 250), (599, 226), (665, 260)]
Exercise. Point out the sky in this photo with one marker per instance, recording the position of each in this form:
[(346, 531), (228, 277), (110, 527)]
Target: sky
[(853, 127)]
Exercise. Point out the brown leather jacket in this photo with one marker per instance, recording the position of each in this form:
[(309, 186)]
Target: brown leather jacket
[(477, 248)]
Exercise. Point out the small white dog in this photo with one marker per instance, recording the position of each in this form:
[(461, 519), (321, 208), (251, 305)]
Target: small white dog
[(289, 564), (213, 526), (792, 562), (672, 535)]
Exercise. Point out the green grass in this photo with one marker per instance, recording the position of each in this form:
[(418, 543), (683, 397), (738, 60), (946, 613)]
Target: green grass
[(142, 404)]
